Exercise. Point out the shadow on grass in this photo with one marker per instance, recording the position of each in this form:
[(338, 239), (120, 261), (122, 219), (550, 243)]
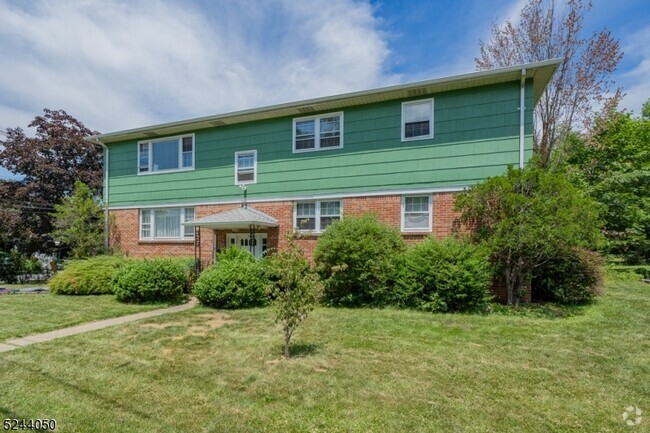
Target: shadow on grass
[(94, 396), (542, 310), (300, 350)]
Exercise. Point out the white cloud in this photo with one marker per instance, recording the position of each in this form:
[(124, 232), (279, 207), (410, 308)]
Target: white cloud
[(635, 81), (117, 65)]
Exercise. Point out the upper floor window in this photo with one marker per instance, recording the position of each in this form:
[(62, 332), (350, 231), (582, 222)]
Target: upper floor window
[(417, 120), (245, 167), (166, 154), (166, 223), (316, 215), (416, 213), (318, 132)]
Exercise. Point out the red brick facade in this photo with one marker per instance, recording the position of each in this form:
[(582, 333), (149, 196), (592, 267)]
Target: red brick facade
[(125, 234)]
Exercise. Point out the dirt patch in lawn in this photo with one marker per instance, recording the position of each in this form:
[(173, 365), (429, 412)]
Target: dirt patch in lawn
[(156, 325), (196, 326), (216, 320), (205, 323)]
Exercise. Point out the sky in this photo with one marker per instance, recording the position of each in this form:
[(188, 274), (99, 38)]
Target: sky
[(120, 64)]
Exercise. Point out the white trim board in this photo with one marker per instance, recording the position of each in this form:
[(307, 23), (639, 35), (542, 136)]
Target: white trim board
[(414, 191)]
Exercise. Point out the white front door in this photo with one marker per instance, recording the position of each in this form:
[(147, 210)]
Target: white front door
[(242, 241)]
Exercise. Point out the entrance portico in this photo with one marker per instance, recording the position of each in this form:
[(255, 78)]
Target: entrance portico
[(245, 227)]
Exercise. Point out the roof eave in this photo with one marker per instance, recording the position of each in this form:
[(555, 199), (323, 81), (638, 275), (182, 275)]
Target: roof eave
[(229, 224), (541, 72)]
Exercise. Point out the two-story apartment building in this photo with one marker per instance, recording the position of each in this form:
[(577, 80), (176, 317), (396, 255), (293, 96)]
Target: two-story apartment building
[(401, 152)]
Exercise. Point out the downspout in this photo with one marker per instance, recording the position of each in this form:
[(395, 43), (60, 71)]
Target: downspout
[(522, 119), (106, 186)]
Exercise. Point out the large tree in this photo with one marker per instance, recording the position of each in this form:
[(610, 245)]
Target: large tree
[(50, 162), (613, 162), (547, 29), (526, 217)]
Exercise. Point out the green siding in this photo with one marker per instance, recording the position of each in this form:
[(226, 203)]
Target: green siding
[(476, 135)]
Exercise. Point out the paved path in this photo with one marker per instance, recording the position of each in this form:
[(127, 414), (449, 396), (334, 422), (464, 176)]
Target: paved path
[(92, 326)]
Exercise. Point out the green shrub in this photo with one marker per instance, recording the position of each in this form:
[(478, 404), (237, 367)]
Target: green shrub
[(236, 280), (357, 259), (448, 275), (191, 272), (572, 277), (87, 277), (150, 280)]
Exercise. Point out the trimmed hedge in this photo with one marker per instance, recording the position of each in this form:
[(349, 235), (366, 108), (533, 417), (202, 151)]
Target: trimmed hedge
[(575, 276), (442, 276), (91, 276), (236, 280), (151, 280), (357, 258)]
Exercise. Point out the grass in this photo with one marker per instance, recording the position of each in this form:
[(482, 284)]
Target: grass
[(30, 314), (354, 370)]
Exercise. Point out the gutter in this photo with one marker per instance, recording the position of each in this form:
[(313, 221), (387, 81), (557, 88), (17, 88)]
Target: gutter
[(522, 119), (106, 186)]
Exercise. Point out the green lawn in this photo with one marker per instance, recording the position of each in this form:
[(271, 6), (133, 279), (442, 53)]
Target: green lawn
[(357, 370), (22, 315)]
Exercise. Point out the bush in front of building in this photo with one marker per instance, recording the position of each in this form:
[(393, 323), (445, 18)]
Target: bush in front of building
[(357, 258), (451, 275), (236, 280), (574, 276), (91, 276), (150, 280)]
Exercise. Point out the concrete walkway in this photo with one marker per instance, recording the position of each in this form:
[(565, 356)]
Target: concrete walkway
[(92, 326)]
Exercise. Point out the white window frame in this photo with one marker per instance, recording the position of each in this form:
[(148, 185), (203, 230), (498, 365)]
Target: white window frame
[(316, 120), (430, 211), (152, 225), (317, 227), (417, 102), (151, 143), (247, 182)]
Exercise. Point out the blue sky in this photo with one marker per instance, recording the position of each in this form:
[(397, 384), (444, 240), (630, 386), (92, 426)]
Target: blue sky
[(122, 64)]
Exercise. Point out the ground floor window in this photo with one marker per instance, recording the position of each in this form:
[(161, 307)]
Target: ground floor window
[(315, 216), (416, 213), (166, 223)]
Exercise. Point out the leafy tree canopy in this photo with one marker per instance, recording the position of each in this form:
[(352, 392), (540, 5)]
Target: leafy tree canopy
[(525, 216), (51, 162), (613, 163), (79, 223)]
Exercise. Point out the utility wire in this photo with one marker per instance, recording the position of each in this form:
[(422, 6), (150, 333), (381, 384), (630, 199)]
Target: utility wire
[(28, 202), (25, 205)]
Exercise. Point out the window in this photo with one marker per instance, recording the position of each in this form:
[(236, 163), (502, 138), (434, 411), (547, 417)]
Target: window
[(416, 213), (417, 120), (316, 216), (318, 132), (245, 167), (166, 154), (166, 223)]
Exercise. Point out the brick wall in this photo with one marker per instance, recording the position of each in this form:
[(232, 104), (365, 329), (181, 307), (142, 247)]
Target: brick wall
[(125, 233), (388, 209)]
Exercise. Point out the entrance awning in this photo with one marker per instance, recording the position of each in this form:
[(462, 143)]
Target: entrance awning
[(240, 218)]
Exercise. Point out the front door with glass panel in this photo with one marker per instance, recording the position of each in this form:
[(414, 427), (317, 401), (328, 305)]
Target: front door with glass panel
[(243, 240)]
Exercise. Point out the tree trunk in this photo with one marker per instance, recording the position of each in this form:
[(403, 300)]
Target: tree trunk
[(287, 338)]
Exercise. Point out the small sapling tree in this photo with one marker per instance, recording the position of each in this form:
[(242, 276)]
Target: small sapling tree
[(294, 289)]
